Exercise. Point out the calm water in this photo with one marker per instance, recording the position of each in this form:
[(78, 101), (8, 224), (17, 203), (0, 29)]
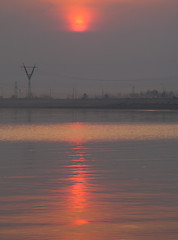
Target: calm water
[(88, 175)]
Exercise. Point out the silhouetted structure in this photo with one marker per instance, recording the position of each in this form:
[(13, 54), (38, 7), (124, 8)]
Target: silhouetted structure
[(15, 90), (29, 72), (85, 96)]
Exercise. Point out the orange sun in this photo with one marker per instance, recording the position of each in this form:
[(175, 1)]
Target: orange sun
[(79, 24), (79, 19)]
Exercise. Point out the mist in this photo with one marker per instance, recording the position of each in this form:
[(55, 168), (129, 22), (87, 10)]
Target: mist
[(132, 42)]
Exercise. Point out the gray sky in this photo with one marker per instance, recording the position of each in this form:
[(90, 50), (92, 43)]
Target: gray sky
[(121, 40)]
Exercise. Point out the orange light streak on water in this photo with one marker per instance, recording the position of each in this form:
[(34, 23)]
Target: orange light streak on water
[(74, 213), (76, 193), (82, 132), (78, 197)]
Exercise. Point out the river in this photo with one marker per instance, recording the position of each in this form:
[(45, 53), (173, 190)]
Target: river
[(88, 174)]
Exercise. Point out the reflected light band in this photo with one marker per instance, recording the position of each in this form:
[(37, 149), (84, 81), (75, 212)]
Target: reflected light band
[(81, 133)]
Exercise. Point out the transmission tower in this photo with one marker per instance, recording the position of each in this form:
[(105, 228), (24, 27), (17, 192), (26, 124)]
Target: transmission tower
[(15, 90), (29, 73)]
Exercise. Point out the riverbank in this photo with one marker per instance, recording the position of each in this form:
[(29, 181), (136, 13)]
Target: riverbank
[(119, 103)]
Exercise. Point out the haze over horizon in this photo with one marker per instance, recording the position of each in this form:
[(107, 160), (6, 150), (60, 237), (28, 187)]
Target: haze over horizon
[(77, 43)]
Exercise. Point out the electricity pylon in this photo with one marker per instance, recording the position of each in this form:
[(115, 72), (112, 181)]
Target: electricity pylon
[(29, 72)]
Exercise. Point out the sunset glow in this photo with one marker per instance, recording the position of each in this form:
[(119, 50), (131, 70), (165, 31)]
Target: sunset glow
[(79, 19), (79, 24)]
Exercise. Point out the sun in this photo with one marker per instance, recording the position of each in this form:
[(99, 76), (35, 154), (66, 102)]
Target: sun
[(79, 20), (79, 24)]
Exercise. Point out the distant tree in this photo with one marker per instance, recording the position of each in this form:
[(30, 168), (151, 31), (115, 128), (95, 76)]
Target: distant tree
[(106, 96), (85, 96)]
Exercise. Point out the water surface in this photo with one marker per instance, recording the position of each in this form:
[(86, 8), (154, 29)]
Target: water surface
[(84, 174)]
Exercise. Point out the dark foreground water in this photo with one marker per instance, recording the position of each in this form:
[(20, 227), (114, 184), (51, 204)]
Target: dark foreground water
[(88, 175)]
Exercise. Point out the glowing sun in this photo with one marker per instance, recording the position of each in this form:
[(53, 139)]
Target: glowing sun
[(79, 24), (79, 20)]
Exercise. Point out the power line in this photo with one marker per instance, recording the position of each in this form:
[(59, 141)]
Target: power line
[(119, 80)]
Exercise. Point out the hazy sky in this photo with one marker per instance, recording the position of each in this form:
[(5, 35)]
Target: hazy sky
[(75, 43)]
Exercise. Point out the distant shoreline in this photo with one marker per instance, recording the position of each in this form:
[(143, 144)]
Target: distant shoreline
[(111, 103)]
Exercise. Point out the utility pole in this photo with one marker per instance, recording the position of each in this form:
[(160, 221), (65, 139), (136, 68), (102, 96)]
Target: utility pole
[(133, 90), (73, 93), (16, 90), (29, 73), (50, 93)]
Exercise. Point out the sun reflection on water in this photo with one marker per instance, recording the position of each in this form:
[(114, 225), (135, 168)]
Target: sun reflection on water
[(80, 133), (78, 195), (82, 196)]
